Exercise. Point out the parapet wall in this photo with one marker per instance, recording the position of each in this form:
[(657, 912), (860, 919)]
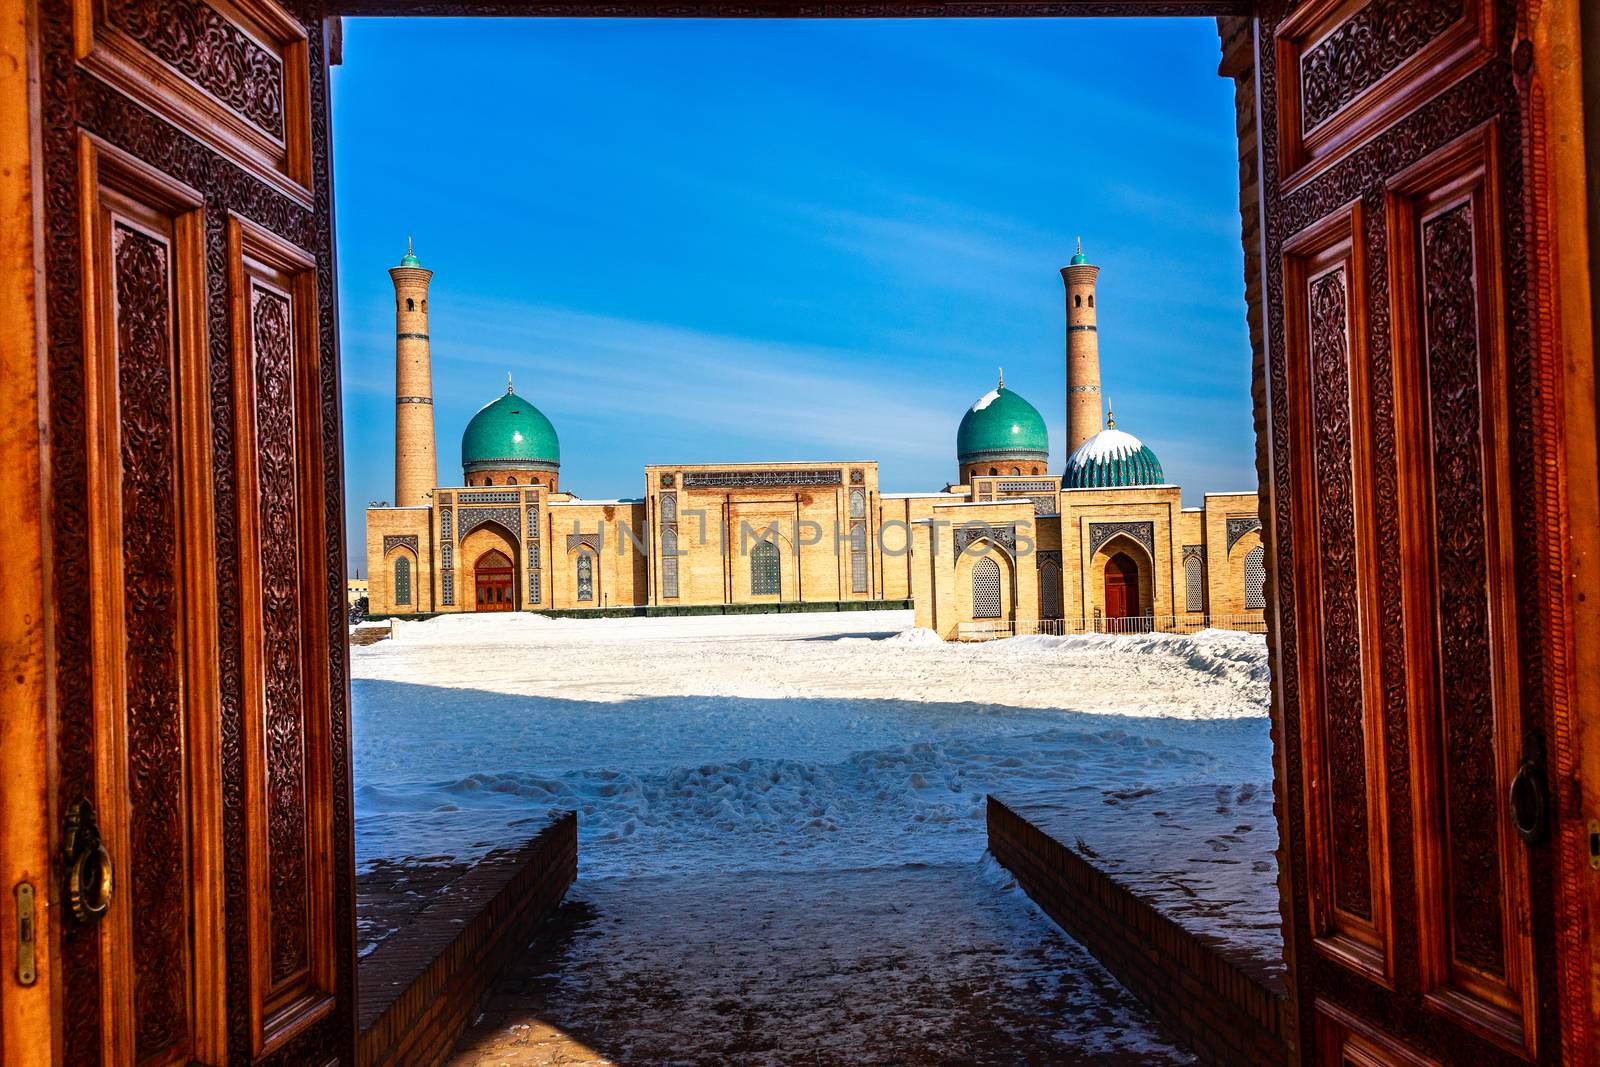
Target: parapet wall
[(1222, 1013), (421, 987)]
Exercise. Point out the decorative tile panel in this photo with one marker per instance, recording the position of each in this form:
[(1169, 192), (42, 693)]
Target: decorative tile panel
[(1142, 532), (494, 496), (761, 479), (394, 541), (470, 519), (1004, 535), (1239, 525)]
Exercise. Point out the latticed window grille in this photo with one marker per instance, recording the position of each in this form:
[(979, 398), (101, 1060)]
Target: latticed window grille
[(1255, 579), (402, 581), (1050, 591), (669, 507), (858, 503), (1194, 584), (764, 569), (986, 590), (858, 557), (669, 562), (585, 576)]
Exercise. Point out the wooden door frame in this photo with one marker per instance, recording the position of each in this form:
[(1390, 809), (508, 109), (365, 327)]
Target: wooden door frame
[(29, 1021)]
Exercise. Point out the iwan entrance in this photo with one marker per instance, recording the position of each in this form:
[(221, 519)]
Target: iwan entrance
[(181, 845)]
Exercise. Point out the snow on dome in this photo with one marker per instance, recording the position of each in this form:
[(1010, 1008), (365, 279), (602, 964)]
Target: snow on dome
[(1107, 444), (1112, 458), (986, 399)]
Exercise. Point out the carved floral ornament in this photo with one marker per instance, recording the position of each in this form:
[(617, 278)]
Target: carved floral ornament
[(394, 541), (195, 40)]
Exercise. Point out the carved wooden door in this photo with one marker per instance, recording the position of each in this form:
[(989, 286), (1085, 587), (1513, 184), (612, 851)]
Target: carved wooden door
[(203, 909), (1421, 666)]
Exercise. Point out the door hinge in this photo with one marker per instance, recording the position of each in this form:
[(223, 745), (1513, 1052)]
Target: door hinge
[(1594, 844), (27, 933)]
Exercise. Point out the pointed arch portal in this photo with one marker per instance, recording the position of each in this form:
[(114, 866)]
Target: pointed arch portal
[(495, 578)]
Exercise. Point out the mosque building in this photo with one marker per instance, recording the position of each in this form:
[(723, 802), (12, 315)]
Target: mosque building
[(1009, 547)]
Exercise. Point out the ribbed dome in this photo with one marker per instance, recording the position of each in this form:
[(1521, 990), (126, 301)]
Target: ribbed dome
[(509, 432), (1109, 459), (1002, 425)]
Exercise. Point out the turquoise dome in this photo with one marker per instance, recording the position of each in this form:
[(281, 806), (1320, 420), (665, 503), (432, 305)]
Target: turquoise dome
[(1110, 459), (509, 432), (1002, 425)]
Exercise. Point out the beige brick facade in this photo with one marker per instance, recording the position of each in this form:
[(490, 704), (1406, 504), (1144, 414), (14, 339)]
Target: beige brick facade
[(1008, 550)]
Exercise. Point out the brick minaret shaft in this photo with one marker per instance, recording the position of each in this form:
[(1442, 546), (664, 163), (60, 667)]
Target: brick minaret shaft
[(1083, 352), (416, 469)]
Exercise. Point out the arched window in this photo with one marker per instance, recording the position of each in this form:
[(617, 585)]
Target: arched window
[(858, 504), (1091, 300), (1255, 579), (764, 570), (424, 307), (669, 507), (411, 305), (488, 481), (1050, 590), (1016, 470), (669, 562), (511, 480), (986, 590), (993, 471), (402, 581), (1194, 584), (1077, 301), (585, 577)]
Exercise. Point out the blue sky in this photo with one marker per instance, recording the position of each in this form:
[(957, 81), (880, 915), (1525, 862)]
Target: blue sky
[(700, 241)]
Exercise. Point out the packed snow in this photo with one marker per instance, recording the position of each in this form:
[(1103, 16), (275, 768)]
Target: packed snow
[(776, 742)]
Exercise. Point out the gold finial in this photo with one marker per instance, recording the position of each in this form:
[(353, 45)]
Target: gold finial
[(1002, 384), (1111, 416), (1080, 245), (411, 253), (508, 382)]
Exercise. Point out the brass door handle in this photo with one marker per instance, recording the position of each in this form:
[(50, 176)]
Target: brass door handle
[(89, 869)]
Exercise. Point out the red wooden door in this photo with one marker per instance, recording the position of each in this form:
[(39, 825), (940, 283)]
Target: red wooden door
[(1122, 587), (1412, 518), (199, 751), (493, 573)]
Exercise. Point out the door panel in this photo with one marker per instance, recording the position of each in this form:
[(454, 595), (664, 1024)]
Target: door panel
[(195, 524), (1337, 588), (1450, 367), (292, 913), (157, 804), (1415, 511)]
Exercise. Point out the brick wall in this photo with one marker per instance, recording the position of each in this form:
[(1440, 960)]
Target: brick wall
[(421, 987), (1224, 1014)]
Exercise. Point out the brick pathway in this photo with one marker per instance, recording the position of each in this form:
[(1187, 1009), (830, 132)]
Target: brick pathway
[(916, 966)]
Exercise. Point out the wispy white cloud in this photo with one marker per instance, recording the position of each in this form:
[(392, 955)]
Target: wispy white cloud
[(607, 373)]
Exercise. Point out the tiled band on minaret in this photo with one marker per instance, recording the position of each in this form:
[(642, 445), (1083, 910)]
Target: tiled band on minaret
[(1083, 352), (416, 469)]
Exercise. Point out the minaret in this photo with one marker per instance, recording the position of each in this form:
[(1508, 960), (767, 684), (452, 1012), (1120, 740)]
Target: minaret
[(1083, 351), (416, 470)]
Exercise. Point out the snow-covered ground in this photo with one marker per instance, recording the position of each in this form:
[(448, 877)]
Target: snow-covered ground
[(776, 742)]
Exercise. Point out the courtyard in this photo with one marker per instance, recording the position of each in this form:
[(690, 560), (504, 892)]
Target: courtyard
[(781, 824)]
